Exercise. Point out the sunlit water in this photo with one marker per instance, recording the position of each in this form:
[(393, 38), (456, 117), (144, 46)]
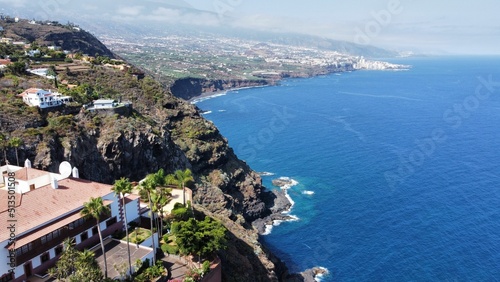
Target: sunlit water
[(398, 171)]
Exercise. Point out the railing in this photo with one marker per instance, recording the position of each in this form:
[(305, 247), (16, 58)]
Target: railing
[(40, 248)]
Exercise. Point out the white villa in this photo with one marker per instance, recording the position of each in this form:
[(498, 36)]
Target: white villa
[(44, 209), (35, 97)]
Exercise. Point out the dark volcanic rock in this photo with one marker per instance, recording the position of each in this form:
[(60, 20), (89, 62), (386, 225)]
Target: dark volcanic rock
[(188, 88)]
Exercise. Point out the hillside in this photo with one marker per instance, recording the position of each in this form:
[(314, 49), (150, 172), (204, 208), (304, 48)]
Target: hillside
[(68, 37), (161, 131)]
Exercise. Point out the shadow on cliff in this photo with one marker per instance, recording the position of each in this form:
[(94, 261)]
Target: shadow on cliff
[(241, 263)]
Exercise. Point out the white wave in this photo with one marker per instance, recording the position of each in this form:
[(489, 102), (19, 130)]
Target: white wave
[(269, 227), (206, 113), (265, 173), (292, 203), (378, 96), (221, 111), (292, 182), (320, 277), (197, 100), (306, 192)]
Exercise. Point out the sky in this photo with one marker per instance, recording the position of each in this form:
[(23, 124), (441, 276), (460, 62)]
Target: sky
[(439, 26)]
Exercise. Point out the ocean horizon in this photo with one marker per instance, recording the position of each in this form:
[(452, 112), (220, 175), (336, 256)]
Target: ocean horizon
[(396, 172)]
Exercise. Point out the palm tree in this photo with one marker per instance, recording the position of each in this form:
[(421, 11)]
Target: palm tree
[(159, 199), (148, 186), (183, 177), (94, 208), (16, 142), (122, 187), (4, 143)]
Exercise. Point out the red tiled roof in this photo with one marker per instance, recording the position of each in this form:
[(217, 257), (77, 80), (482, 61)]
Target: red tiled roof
[(29, 173), (28, 91), (4, 61), (44, 204), (50, 228)]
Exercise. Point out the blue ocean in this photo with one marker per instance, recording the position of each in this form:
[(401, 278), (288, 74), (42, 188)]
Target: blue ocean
[(397, 172)]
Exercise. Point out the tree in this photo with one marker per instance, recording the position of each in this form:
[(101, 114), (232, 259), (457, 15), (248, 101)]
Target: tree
[(4, 144), (73, 265), (95, 208), (16, 142), (51, 71), (159, 199), (200, 238), (183, 178), (122, 187), (148, 186), (16, 68)]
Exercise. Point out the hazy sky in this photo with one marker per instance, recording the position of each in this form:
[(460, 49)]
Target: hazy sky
[(425, 25)]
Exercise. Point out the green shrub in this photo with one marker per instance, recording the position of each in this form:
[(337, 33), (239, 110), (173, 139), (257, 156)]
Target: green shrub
[(170, 249)]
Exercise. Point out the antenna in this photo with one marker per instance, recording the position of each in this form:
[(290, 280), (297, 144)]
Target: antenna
[(65, 169)]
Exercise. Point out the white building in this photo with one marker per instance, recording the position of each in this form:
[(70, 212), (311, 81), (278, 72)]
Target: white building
[(32, 53), (43, 211), (41, 72), (104, 104), (43, 99)]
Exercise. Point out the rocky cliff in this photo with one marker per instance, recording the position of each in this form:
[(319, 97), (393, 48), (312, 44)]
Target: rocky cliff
[(161, 132), (188, 88), (47, 34)]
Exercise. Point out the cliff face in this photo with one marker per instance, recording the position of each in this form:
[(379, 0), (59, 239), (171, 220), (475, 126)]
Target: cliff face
[(66, 37), (162, 132), (188, 88)]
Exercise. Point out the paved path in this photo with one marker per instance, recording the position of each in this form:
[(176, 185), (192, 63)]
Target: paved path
[(176, 268)]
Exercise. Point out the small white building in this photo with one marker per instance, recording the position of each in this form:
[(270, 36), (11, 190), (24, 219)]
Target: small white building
[(35, 97), (32, 53), (54, 48), (104, 104)]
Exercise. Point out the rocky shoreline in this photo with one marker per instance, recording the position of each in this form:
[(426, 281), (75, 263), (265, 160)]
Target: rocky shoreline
[(279, 209), (310, 275)]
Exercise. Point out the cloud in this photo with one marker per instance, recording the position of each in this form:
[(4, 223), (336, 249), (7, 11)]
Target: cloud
[(130, 10), (169, 15), (14, 3)]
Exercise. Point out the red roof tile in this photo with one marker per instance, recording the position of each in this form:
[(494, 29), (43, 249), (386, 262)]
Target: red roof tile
[(45, 204), (29, 173)]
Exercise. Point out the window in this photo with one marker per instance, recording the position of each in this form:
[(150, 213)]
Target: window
[(84, 236), (50, 236), (94, 231), (76, 223), (59, 250), (24, 249), (45, 257), (110, 222)]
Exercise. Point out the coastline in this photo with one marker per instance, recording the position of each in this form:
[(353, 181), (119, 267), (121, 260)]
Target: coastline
[(209, 95), (280, 202)]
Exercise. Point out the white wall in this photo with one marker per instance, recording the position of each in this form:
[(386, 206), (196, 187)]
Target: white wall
[(114, 205), (149, 241), (132, 210)]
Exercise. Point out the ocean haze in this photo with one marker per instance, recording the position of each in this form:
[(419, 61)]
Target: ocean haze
[(444, 27)]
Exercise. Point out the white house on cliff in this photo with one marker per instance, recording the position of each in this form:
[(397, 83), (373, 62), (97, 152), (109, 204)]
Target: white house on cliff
[(35, 97)]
